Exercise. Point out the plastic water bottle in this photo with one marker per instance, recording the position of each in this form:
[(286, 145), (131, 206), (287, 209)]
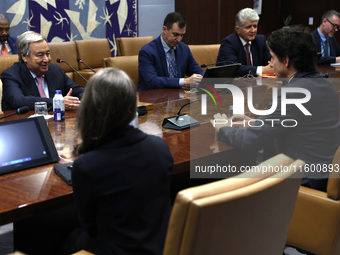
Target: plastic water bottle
[(58, 106), (230, 112)]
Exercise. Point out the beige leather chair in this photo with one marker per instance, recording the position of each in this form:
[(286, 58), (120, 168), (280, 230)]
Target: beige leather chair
[(92, 52), (315, 226), (0, 96), (240, 215), (7, 61), (83, 252), (246, 214), (129, 64), (205, 54), (65, 51), (129, 46)]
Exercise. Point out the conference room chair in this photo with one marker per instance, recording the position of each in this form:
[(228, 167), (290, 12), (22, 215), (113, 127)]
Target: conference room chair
[(91, 52), (205, 54), (7, 61), (0, 95), (245, 214), (315, 225), (67, 52), (129, 46), (129, 64)]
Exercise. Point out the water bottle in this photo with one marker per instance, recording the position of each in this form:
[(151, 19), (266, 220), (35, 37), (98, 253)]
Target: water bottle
[(58, 106), (231, 111)]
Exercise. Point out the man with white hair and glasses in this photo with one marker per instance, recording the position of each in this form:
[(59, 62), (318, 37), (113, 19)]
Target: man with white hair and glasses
[(245, 46)]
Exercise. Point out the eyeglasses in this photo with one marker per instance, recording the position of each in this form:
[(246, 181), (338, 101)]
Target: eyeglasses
[(336, 27)]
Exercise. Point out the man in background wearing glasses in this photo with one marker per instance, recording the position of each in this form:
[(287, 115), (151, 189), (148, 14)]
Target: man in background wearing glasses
[(164, 62), (325, 41)]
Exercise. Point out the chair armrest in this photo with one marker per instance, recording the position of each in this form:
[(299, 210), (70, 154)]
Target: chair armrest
[(315, 226)]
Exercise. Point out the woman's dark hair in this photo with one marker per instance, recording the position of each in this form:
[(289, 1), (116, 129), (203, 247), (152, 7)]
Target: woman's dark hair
[(108, 104), (298, 44)]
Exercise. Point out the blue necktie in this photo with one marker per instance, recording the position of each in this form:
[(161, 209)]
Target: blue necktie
[(172, 68)]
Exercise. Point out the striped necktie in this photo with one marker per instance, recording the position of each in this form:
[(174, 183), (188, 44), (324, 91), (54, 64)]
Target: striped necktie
[(172, 67)]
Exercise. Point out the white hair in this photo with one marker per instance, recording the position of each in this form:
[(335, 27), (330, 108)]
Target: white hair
[(24, 41), (244, 15)]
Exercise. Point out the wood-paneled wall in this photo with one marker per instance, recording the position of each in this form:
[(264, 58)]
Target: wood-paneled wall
[(274, 12), (209, 21)]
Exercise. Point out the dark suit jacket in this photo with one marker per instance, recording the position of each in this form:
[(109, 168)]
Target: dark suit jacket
[(152, 66), (20, 89), (122, 193), (12, 41), (232, 51), (334, 49), (314, 139)]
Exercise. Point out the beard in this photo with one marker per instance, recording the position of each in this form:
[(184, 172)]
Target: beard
[(4, 38)]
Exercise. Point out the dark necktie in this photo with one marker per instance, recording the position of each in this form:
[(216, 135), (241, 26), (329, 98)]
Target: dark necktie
[(326, 47), (248, 54), (172, 69), (4, 50), (40, 87)]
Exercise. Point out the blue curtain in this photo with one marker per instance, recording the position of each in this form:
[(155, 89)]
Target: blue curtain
[(68, 20)]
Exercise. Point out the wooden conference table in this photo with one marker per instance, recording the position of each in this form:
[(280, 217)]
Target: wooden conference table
[(32, 191)]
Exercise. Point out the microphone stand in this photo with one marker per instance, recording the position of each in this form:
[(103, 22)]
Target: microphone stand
[(9, 115), (21, 110), (180, 122), (63, 61), (82, 62)]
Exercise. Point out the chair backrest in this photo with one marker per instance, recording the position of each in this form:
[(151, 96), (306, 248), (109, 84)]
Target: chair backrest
[(129, 46), (92, 52), (66, 51), (128, 64), (7, 61), (205, 54), (315, 226), (0, 95), (333, 186), (240, 215)]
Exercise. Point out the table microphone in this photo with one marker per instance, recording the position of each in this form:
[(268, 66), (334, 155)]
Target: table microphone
[(180, 109), (180, 122), (216, 63), (63, 61), (21, 110), (82, 62)]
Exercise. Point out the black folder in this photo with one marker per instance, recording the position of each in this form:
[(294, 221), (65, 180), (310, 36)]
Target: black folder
[(64, 172)]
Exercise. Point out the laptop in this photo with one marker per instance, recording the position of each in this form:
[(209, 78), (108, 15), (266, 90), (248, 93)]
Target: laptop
[(25, 143), (225, 71), (220, 74)]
